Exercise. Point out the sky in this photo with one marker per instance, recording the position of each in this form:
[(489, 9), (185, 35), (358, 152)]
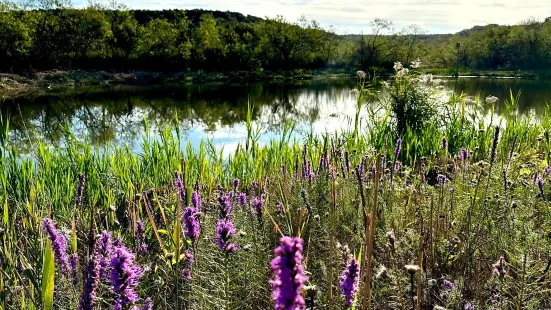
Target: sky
[(354, 16)]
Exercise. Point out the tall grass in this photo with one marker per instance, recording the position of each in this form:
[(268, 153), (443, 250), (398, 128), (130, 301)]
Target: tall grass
[(451, 218)]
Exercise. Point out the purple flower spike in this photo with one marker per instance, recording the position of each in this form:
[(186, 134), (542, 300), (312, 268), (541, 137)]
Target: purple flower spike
[(226, 209), (258, 205), (398, 148), (59, 244), (224, 233), (104, 246), (242, 199), (349, 281), (191, 223), (444, 143), (125, 276), (91, 282), (148, 304), (448, 285), (188, 262), (289, 275), (469, 306), (464, 154), (498, 268), (280, 208), (539, 183), (74, 269), (196, 200), (235, 183), (140, 238), (179, 187)]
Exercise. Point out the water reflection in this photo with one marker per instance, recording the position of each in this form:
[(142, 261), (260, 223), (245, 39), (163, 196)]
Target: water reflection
[(214, 111)]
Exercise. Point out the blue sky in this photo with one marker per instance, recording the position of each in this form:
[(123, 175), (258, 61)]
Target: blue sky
[(353, 16)]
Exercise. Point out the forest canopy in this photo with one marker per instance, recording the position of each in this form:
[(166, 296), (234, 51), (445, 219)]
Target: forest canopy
[(51, 34)]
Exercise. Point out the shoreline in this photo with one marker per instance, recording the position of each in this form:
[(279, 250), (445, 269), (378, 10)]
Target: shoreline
[(15, 85)]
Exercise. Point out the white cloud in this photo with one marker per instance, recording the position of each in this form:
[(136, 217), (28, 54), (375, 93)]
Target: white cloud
[(354, 16)]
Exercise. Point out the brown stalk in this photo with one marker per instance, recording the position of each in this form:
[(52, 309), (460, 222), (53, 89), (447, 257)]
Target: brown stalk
[(145, 201), (370, 237), (419, 273)]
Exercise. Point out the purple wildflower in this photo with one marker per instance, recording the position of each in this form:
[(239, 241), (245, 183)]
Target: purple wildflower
[(224, 233), (91, 282), (539, 183), (398, 148), (226, 209), (80, 189), (283, 169), (442, 179), (188, 262), (464, 154), (397, 165), (546, 171), (448, 285), (444, 143), (288, 274), (104, 248), (469, 306), (235, 183), (140, 238), (125, 275), (280, 208), (191, 223), (196, 200), (179, 187), (498, 268), (59, 244), (258, 205), (74, 268), (347, 161), (349, 281), (242, 199), (148, 304)]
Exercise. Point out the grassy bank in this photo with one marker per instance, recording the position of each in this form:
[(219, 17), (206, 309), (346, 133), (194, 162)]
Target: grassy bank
[(16, 84), (12, 85), (451, 211)]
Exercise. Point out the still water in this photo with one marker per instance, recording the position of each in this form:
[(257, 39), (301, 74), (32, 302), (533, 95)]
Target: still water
[(115, 115)]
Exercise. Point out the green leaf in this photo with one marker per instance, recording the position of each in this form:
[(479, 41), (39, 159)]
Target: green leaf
[(48, 274)]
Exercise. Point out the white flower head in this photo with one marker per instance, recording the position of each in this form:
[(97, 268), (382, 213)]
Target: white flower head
[(427, 78), (491, 99), (354, 91), (398, 66), (403, 72), (415, 64), (469, 101), (361, 74)]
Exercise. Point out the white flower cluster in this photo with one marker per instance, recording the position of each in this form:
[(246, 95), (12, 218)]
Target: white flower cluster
[(491, 99), (469, 101), (415, 64), (361, 74), (398, 66), (429, 79)]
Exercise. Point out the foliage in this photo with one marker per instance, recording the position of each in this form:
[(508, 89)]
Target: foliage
[(431, 232)]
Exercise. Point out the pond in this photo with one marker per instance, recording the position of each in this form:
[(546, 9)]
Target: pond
[(115, 114)]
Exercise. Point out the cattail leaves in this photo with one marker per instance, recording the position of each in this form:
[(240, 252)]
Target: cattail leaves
[(48, 277)]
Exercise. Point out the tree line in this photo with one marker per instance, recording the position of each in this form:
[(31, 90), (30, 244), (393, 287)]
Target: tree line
[(50, 34)]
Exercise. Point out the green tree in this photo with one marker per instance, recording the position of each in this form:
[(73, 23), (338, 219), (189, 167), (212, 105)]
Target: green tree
[(15, 40), (158, 39)]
